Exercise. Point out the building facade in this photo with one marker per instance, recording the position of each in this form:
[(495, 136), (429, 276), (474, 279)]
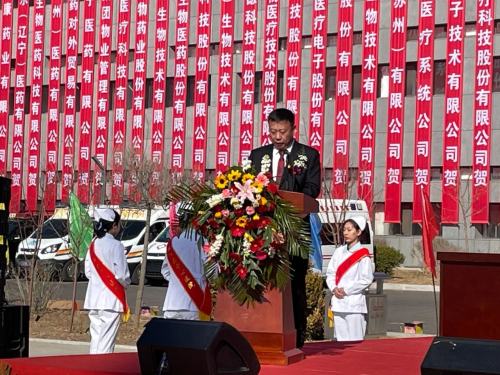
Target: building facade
[(405, 234)]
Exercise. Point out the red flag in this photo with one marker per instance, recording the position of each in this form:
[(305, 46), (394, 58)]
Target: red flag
[(430, 229)]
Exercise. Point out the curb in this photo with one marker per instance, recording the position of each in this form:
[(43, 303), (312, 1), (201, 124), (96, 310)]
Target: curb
[(70, 342), (410, 287)]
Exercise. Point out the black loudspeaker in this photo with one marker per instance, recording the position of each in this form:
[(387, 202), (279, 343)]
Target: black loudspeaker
[(171, 346), (460, 356), (14, 331)]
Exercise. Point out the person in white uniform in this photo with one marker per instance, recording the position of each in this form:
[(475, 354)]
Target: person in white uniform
[(178, 303), (107, 271), (349, 273)]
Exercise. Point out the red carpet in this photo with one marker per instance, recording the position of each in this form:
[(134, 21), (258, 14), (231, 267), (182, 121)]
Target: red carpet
[(384, 356)]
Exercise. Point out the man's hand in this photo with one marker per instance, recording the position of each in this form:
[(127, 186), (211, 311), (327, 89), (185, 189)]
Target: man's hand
[(339, 293)]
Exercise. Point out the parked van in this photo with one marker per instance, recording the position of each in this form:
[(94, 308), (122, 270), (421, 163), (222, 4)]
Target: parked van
[(50, 238), (55, 244), (332, 213)]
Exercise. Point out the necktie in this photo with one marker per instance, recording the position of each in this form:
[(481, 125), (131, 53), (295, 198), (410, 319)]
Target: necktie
[(281, 166)]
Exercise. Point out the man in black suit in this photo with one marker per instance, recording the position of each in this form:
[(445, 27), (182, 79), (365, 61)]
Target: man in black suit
[(298, 170)]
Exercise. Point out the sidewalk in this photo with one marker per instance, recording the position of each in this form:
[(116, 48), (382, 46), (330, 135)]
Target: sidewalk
[(410, 287), (44, 347)]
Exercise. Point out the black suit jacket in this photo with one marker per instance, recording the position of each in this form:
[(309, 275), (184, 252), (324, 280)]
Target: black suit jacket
[(307, 181)]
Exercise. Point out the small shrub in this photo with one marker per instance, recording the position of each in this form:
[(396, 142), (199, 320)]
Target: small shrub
[(315, 306), (387, 258)]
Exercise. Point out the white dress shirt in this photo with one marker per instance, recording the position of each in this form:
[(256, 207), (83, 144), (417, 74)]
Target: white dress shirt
[(276, 158), (112, 253)]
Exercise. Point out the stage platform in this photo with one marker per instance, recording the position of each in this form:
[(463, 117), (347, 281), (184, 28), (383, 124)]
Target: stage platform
[(380, 356)]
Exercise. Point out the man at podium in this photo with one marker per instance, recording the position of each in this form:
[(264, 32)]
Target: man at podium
[(295, 167)]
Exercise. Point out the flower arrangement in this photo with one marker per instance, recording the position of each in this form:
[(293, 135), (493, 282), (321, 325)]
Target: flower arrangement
[(248, 231), (299, 164)]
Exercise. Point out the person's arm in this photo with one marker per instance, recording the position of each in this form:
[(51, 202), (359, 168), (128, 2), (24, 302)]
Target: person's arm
[(364, 280), (330, 274), (312, 186), (88, 267), (165, 269), (122, 274)]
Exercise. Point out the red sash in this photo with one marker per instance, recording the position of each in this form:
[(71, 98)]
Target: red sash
[(109, 279), (201, 298), (349, 262)]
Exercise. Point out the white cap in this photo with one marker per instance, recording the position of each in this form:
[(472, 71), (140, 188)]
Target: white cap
[(360, 220), (105, 214)]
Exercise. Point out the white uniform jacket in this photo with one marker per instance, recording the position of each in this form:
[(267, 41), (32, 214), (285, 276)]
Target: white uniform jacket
[(187, 250), (112, 253), (354, 281)]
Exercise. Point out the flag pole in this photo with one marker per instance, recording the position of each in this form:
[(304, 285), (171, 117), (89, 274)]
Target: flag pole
[(427, 248), (435, 304)]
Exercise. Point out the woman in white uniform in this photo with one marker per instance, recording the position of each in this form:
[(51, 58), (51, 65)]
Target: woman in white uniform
[(349, 273), (108, 274)]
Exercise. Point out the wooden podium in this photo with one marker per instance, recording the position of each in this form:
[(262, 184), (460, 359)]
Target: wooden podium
[(268, 326), (469, 302)]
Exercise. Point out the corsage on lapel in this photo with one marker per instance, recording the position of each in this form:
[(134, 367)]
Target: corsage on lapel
[(265, 163), (299, 165)]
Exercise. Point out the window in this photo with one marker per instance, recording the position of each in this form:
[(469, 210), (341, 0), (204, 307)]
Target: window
[(356, 82), (439, 77), (330, 88), (411, 78), (496, 74), (383, 81)]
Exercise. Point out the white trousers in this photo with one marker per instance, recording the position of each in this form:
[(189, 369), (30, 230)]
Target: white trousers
[(349, 326), (103, 329), (181, 314)]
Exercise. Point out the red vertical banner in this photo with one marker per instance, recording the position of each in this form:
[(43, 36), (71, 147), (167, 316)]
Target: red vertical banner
[(102, 107), (293, 59), (139, 88), (396, 112), (225, 85), (453, 111), (56, 17), (482, 112), (318, 71), (342, 119), (269, 65), (35, 122), (247, 102), (19, 105), (86, 102), (201, 88), (423, 110), (120, 100), (5, 58), (159, 91), (180, 86), (68, 145), (368, 102)]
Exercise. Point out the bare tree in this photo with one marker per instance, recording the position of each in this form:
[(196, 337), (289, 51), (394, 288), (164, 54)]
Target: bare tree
[(148, 186)]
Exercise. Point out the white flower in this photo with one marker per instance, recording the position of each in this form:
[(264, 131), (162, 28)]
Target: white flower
[(216, 245), (246, 165), (265, 164), (214, 200)]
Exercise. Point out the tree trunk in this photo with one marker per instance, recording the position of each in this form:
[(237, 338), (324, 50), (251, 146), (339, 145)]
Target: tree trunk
[(140, 289)]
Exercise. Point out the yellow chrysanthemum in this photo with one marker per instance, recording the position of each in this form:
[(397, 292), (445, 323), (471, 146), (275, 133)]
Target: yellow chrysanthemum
[(256, 217), (263, 201), (248, 237), (247, 176), (218, 215), (221, 181), (234, 175), (241, 222)]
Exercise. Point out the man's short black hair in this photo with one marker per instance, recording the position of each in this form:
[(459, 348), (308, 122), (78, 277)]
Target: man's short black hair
[(282, 114)]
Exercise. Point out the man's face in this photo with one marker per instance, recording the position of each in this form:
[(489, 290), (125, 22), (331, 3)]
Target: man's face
[(281, 133)]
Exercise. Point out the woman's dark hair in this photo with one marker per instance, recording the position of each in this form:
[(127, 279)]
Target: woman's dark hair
[(103, 226), (364, 237)]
